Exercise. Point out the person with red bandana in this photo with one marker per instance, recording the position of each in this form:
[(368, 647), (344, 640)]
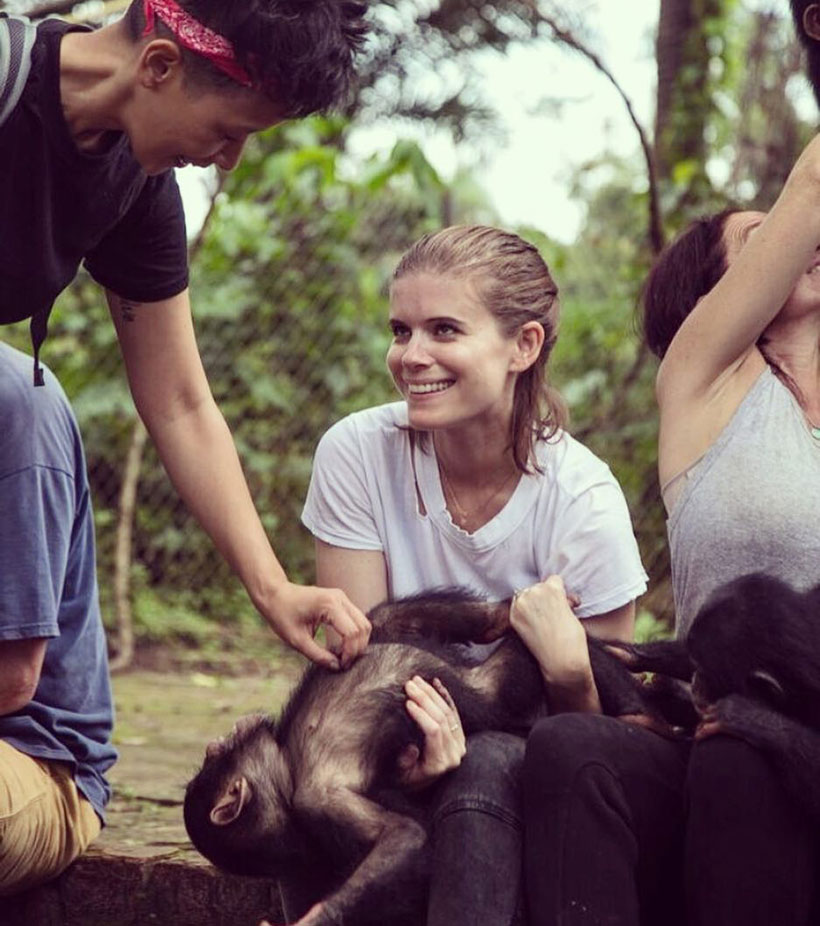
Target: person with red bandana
[(89, 150)]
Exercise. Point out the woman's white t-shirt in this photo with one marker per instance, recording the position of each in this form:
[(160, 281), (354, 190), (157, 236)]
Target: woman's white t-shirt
[(372, 490)]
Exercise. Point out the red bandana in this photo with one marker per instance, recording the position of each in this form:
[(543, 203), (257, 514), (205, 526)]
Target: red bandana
[(198, 38)]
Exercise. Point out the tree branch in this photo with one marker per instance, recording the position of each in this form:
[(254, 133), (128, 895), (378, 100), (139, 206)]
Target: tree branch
[(655, 226)]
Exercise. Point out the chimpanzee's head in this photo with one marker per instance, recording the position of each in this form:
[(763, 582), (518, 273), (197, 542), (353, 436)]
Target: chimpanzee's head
[(237, 808), (756, 636)]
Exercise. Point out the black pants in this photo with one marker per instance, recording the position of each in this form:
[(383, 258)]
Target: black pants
[(623, 828), (751, 852)]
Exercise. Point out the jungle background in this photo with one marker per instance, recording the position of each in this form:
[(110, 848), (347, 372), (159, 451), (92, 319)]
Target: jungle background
[(290, 266)]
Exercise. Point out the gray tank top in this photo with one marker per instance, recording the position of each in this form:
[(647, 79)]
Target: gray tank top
[(750, 504)]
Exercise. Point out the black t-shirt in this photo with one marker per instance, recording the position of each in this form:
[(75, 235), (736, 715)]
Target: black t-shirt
[(60, 206)]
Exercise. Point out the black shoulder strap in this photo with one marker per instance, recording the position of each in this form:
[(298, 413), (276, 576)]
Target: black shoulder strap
[(17, 36)]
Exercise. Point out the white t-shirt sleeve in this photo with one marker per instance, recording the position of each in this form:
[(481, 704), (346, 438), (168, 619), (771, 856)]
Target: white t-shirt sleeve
[(338, 508), (597, 554)]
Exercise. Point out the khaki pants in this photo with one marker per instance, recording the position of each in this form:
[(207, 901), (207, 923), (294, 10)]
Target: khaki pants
[(45, 823)]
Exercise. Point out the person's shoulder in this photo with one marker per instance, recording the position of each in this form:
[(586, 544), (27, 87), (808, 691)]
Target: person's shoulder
[(39, 424), (571, 465), (17, 389), (377, 422), (50, 32)]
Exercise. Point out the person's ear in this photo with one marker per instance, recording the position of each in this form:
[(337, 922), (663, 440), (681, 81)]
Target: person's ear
[(159, 63), (528, 344), (811, 21)]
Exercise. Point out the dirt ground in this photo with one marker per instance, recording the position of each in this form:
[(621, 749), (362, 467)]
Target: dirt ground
[(164, 720)]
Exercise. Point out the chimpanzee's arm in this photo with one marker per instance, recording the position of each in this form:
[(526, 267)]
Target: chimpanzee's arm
[(792, 746), (619, 691), (666, 657), (448, 615), (394, 859)]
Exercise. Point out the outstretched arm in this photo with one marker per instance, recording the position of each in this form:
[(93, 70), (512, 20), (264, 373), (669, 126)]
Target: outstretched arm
[(173, 398), (713, 359)]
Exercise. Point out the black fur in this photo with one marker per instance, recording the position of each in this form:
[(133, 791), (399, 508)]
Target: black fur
[(753, 652), (324, 775)]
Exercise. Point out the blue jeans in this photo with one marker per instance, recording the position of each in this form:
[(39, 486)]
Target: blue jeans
[(477, 837)]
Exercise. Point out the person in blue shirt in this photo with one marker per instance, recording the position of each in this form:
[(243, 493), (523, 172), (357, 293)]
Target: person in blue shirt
[(56, 711)]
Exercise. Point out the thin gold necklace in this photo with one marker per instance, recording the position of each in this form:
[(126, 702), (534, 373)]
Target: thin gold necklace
[(464, 517)]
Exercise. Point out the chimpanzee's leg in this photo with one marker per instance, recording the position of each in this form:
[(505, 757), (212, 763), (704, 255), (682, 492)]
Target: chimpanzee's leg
[(603, 812), (477, 837), (751, 853)]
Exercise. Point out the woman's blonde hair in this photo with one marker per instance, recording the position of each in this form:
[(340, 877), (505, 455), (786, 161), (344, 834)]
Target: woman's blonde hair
[(514, 283)]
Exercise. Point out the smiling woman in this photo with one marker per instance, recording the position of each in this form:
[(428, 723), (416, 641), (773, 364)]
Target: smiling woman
[(471, 480)]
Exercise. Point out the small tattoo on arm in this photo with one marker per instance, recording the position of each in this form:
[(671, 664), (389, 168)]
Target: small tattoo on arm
[(129, 309)]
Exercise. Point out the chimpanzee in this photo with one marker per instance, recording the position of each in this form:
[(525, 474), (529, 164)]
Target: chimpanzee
[(753, 655), (323, 779)]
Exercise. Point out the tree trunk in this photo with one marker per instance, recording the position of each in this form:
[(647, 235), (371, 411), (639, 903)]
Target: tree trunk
[(122, 552), (685, 100)]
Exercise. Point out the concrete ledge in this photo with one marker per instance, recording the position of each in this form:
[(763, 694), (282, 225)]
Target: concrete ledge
[(102, 889)]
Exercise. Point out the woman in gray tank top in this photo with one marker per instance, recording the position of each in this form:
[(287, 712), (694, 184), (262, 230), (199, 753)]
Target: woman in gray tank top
[(733, 309)]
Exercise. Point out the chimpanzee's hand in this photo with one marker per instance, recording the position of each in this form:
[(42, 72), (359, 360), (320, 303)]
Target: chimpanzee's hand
[(435, 712), (622, 652), (297, 611), (736, 715)]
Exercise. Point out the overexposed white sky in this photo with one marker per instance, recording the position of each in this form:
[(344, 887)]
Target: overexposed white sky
[(527, 177)]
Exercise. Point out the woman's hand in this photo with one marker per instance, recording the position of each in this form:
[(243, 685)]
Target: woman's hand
[(297, 611), (542, 616), (434, 710)]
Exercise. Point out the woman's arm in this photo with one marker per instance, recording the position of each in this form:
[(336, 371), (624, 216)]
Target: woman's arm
[(173, 398), (541, 615), (724, 327), (713, 359), (360, 574)]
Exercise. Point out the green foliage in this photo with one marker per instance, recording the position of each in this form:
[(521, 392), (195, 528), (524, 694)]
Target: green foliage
[(648, 628), (289, 285), (289, 293)]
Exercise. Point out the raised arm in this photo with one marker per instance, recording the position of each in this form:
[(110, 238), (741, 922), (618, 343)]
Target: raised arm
[(173, 398), (769, 258), (713, 358)]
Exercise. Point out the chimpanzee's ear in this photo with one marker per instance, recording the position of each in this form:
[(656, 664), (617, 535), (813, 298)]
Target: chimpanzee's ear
[(766, 686), (811, 21), (231, 802)]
